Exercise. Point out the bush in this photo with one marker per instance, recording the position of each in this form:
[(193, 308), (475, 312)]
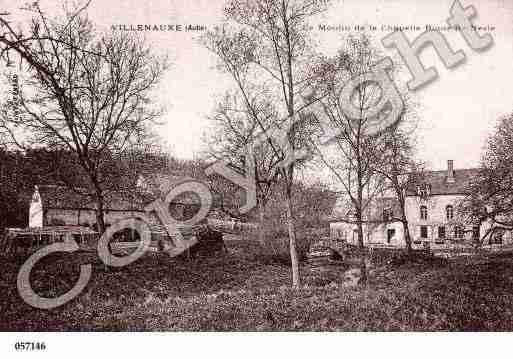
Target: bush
[(126, 235), (210, 241), (275, 248), (57, 222)]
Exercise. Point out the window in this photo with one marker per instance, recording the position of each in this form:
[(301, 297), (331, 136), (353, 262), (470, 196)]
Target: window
[(476, 233), (387, 214), (423, 232), (449, 212), (390, 234), (424, 190), (423, 213), (459, 232), (441, 232)]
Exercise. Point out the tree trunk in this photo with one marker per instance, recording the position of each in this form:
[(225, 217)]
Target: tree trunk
[(407, 237), (406, 228), (100, 220), (361, 249), (261, 228), (292, 238), (359, 224)]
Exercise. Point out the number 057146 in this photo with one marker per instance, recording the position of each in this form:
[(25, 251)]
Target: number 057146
[(29, 346)]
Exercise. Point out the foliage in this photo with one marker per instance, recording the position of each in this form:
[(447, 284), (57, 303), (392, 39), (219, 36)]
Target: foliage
[(471, 294), (313, 203), (491, 191), (265, 44), (275, 248), (355, 151), (21, 171), (234, 127)]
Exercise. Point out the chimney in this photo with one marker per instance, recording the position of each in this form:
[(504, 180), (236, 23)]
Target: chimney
[(450, 171)]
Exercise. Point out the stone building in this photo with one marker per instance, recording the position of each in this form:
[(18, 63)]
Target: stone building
[(53, 205), (431, 205)]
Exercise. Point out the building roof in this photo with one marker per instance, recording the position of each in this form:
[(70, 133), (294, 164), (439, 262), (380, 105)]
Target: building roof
[(437, 184), (63, 197), (437, 180)]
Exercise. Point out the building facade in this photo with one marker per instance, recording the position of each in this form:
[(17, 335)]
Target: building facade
[(53, 205), (431, 211)]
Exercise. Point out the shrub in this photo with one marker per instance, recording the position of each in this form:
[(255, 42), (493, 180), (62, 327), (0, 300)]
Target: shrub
[(57, 222), (126, 235), (210, 241), (276, 249)]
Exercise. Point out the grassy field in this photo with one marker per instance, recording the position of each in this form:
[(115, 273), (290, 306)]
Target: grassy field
[(235, 291)]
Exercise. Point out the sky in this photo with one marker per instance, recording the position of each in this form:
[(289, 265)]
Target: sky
[(456, 112)]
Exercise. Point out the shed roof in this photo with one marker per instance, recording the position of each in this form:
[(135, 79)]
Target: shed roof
[(63, 197)]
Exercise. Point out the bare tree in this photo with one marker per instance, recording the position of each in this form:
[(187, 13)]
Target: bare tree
[(355, 150), (267, 41), (401, 173), (7, 136), (490, 194), (233, 131), (88, 92)]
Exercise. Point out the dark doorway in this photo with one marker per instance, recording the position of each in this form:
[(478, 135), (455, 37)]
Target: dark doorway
[(423, 232), (390, 234)]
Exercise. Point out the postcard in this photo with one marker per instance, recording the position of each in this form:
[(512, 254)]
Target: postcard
[(200, 176)]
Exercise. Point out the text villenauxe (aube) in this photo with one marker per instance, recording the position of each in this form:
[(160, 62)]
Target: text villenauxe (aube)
[(159, 27)]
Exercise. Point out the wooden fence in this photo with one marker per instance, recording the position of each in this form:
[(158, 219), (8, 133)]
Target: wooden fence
[(15, 240)]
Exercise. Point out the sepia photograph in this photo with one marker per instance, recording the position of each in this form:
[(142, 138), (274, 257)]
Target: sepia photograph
[(220, 173)]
